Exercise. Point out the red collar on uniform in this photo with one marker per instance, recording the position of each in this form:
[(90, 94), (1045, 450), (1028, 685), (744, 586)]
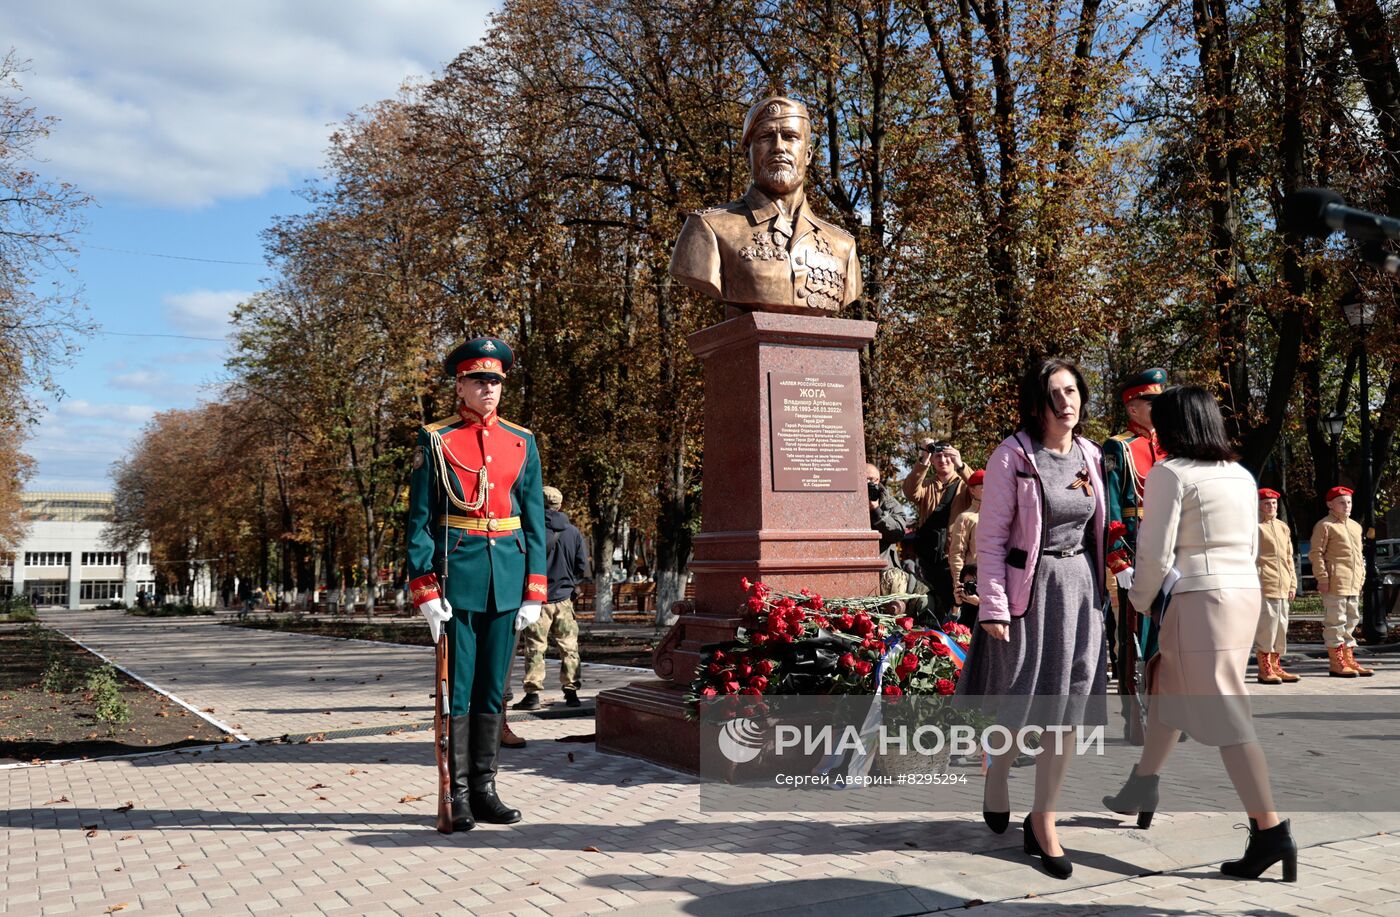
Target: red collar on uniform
[(1145, 433), (472, 417)]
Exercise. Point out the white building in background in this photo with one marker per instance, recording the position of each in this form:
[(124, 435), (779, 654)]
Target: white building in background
[(64, 560)]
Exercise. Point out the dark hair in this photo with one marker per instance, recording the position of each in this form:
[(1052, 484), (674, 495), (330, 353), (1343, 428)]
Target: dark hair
[(1035, 393), (1189, 425)]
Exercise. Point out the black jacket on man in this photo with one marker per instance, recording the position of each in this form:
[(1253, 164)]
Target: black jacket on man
[(568, 555)]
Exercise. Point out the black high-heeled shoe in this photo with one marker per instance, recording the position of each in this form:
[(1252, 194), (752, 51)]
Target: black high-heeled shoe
[(997, 821), (1060, 867), (1138, 797), (1266, 847)]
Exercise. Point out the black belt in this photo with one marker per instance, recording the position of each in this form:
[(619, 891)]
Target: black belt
[(1072, 552)]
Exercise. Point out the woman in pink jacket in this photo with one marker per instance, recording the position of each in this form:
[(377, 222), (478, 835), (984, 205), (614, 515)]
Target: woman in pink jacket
[(1039, 648)]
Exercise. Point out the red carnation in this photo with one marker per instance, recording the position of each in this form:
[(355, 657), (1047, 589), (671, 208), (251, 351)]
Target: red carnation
[(714, 668), (1116, 530), (755, 605), (709, 691), (945, 686), (718, 656), (730, 687), (744, 584), (759, 639), (894, 691), (847, 661), (847, 621), (905, 623)]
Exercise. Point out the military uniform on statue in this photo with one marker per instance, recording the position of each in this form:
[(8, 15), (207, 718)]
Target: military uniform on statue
[(1127, 458), (476, 557)]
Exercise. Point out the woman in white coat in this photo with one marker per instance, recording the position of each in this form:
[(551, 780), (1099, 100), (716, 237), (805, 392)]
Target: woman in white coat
[(1199, 522)]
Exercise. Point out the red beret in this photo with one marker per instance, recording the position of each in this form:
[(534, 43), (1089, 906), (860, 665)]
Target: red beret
[(1267, 494), (1338, 491), (976, 477)]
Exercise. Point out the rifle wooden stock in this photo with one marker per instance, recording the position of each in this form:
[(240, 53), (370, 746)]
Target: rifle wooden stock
[(442, 725)]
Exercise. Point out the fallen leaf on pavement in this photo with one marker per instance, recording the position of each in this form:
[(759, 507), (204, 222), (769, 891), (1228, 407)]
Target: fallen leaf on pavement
[(59, 799), (206, 710), (317, 786), (114, 908), (91, 830), (410, 799), (126, 808), (591, 849)]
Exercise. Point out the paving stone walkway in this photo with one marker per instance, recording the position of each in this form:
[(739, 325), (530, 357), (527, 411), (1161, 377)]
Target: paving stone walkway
[(345, 825)]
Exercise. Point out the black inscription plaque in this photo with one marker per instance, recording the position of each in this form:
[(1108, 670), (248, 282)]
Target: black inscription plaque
[(814, 422)]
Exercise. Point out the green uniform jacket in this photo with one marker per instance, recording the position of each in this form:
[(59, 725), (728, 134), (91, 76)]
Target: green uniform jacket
[(494, 551)]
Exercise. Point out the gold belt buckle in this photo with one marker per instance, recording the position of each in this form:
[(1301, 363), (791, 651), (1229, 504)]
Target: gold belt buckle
[(493, 525)]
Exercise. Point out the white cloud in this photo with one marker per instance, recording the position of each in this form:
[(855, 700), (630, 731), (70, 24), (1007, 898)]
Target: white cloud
[(185, 104), (77, 407), (143, 380), (203, 313)]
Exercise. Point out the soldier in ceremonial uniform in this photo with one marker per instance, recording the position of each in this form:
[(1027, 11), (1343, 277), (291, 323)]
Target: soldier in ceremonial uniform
[(476, 558), (768, 251), (1127, 458)]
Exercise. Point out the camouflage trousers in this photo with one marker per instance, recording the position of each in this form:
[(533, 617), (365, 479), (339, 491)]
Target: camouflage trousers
[(557, 621)]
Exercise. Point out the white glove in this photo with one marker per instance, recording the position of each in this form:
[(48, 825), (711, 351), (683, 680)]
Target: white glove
[(1125, 578), (528, 614), (438, 613)]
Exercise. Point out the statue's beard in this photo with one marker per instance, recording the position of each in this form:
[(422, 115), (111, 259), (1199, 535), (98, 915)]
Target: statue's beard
[(780, 179)]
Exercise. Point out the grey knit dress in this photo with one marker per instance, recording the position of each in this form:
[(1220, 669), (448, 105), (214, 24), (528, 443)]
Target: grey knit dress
[(1057, 652)]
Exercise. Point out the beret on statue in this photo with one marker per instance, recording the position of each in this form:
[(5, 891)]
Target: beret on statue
[(483, 358), (768, 109)]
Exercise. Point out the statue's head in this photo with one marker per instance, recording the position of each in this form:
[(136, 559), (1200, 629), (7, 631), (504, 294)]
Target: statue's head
[(778, 140)]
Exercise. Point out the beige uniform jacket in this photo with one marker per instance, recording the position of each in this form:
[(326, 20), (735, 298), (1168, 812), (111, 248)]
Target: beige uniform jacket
[(1336, 556), (962, 541), (927, 496), (747, 253), (1277, 576)]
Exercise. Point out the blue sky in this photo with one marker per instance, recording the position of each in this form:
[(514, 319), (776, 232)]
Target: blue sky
[(192, 125)]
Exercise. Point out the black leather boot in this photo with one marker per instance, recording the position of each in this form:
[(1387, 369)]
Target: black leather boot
[(1138, 797), (485, 744), (459, 768), (1266, 847)]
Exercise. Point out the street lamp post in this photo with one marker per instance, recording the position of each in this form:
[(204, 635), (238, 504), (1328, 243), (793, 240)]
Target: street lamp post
[(1359, 312)]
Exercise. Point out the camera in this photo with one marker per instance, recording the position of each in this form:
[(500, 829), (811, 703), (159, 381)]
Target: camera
[(969, 587), (873, 490), (936, 448)]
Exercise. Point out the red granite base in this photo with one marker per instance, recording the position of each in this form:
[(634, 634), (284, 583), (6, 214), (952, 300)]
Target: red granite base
[(792, 538)]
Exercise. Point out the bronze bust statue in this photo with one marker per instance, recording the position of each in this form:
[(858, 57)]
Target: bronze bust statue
[(767, 251)]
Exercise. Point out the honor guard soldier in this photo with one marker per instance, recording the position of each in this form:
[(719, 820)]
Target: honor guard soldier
[(767, 251), (476, 558), (1127, 458)]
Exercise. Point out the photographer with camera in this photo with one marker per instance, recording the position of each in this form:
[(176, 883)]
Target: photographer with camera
[(886, 515), (938, 502)]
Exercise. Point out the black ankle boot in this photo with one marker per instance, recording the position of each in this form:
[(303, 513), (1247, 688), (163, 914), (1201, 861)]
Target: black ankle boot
[(997, 821), (485, 744), (1267, 846), (1138, 797), (458, 767), (1060, 867)]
